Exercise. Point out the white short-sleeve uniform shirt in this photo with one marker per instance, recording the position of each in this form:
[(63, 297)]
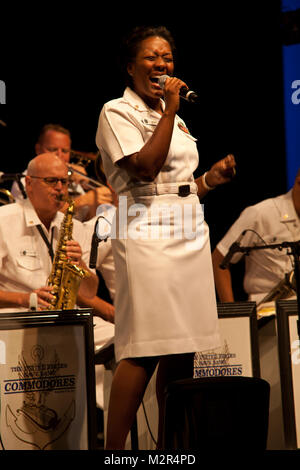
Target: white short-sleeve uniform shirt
[(165, 296), (271, 221), (25, 263)]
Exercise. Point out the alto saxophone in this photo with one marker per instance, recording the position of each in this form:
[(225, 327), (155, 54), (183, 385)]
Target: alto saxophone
[(65, 277)]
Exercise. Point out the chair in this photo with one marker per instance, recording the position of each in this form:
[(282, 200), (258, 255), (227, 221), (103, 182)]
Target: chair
[(217, 412)]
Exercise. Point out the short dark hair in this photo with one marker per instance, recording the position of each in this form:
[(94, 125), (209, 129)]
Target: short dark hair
[(53, 127), (132, 41)]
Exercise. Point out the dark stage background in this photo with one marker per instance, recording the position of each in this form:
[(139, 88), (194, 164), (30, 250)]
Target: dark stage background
[(65, 68)]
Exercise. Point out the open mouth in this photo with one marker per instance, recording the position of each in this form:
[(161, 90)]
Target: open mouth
[(154, 81)]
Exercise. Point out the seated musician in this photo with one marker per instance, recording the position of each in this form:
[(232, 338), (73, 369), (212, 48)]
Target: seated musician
[(29, 231), (271, 221)]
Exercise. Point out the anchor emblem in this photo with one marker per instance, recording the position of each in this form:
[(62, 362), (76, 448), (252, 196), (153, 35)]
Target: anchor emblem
[(27, 429)]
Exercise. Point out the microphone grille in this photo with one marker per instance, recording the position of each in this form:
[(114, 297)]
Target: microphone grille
[(162, 79)]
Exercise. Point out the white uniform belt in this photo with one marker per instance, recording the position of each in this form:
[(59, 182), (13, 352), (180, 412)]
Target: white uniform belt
[(155, 189)]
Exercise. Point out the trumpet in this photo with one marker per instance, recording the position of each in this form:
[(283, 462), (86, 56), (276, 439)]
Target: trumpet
[(82, 158), (85, 158), (88, 182)]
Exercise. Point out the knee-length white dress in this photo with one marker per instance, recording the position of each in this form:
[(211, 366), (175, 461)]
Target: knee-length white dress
[(165, 295)]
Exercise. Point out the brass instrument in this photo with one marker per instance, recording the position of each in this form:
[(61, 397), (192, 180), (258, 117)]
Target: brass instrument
[(8, 197), (283, 290), (88, 182), (82, 158), (65, 277)]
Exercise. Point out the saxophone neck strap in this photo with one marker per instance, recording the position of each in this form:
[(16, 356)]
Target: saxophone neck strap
[(48, 244)]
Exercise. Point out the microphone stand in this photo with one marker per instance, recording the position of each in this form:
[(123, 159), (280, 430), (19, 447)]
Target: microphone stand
[(295, 251), (96, 239)]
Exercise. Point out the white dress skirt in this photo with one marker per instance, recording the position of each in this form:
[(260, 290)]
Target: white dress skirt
[(165, 299)]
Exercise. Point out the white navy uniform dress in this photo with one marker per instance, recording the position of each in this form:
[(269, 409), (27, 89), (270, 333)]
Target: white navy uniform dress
[(165, 296)]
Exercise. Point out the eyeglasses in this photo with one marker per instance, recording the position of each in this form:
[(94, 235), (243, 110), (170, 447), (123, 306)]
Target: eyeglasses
[(52, 181)]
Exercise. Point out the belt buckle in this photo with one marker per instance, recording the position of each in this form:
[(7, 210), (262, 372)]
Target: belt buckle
[(184, 190)]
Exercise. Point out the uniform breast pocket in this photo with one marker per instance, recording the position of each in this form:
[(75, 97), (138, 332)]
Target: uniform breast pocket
[(28, 260), (279, 259), (276, 240)]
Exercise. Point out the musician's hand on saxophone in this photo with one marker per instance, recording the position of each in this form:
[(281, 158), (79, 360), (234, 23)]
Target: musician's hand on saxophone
[(74, 252), (38, 299), (44, 296)]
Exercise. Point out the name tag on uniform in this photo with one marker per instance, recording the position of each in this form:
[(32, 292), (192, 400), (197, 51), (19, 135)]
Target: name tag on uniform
[(28, 253), (149, 122)]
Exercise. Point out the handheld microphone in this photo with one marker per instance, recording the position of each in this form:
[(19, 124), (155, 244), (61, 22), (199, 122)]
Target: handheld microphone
[(10, 176), (232, 250), (184, 92)]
